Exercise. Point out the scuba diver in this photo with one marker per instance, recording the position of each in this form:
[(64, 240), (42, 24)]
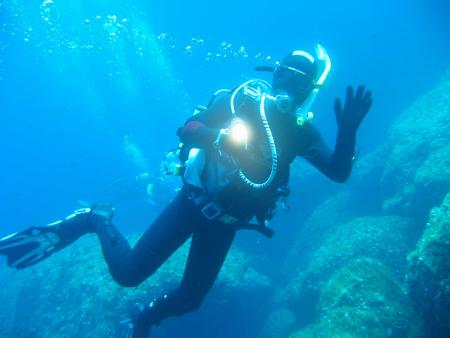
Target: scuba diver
[(157, 190), (234, 160)]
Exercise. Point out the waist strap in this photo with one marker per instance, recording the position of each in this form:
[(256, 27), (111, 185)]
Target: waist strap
[(212, 211)]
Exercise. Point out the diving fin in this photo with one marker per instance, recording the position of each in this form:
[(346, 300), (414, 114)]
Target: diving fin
[(35, 244), (29, 247)]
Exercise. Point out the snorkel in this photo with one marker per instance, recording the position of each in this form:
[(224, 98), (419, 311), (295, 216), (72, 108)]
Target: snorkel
[(303, 112)]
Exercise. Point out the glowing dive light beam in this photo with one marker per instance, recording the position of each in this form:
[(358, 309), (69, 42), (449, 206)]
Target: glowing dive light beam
[(239, 131)]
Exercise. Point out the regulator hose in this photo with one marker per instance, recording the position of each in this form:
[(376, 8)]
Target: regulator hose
[(269, 136)]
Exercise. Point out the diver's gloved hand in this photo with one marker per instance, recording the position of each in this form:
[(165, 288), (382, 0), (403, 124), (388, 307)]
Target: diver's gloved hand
[(355, 109)]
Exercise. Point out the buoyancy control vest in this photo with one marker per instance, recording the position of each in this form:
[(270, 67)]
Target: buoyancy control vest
[(209, 172), (214, 169)]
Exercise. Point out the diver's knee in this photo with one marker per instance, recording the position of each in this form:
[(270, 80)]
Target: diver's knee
[(127, 280), (129, 273)]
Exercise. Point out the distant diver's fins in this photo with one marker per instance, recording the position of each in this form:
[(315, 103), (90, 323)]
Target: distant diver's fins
[(29, 247)]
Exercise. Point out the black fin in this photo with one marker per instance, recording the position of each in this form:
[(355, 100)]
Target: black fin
[(29, 247)]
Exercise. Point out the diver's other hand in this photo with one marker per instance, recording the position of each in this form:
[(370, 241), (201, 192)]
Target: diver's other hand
[(355, 108)]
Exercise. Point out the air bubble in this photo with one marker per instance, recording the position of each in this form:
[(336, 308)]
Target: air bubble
[(197, 41)]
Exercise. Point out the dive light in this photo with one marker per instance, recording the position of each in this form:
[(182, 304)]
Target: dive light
[(239, 131)]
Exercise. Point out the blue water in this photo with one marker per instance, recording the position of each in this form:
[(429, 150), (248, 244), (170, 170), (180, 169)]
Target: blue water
[(78, 77)]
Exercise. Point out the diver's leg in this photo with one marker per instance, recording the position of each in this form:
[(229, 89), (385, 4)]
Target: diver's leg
[(129, 267), (209, 248)]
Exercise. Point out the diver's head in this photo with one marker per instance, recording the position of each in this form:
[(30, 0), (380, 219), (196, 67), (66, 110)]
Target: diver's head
[(295, 78)]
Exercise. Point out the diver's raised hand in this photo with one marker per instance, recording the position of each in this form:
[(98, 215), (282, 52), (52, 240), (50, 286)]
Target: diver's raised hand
[(355, 108)]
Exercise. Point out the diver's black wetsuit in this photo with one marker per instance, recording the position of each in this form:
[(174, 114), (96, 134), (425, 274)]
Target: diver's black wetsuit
[(211, 240), (180, 220)]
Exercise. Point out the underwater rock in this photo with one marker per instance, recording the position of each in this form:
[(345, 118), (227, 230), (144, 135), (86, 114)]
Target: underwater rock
[(416, 175), (279, 324), (406, 176), (365, 181), (363, 299), (428, 276), (384, 238), (74, 295), (334, 211)]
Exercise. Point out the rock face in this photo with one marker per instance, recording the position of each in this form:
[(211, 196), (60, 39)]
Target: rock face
[(410, 173), (428, 276), (363, 299), (383, 238), (280, 323), (73, 294), (416, 175), (380, 216), (333, 211)]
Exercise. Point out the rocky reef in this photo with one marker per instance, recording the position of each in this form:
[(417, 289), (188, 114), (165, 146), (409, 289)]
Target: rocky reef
[(382, 238), (363, 299), (417, 172), (411, 171), (428, 277)]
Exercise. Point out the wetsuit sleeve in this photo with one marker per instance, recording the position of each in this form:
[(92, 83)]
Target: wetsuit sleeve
[(337, 164), (201, 130), (197, 134)]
